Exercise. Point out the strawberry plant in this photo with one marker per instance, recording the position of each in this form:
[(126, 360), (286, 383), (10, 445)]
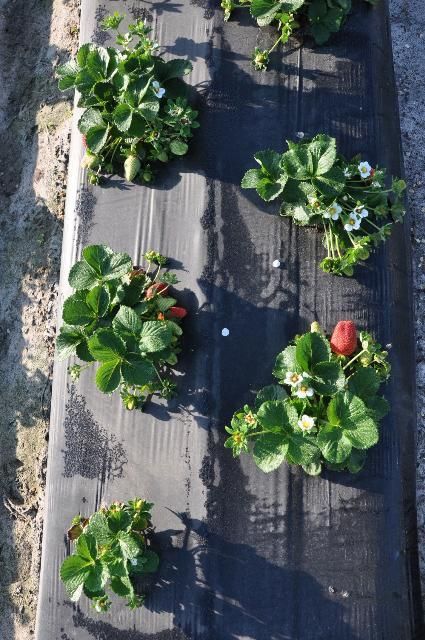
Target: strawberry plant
[(125, 319), (349, 199), (111, 550), (317, 18), (325, 409), (135, 113)]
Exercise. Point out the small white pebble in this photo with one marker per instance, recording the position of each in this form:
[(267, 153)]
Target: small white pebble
[(225, 332), (300, 134), (345, 594), (276, 263)]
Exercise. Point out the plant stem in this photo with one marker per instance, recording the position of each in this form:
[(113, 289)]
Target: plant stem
[(275, 45), (373, 224), (354, 359)]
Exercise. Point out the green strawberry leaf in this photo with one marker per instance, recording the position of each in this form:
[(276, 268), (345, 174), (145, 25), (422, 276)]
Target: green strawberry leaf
[(127, 322), (322, 154), (76, 311), (252, 179), (286, 361), (90, 118), (73, 573), (96, 138), (178, 147), (334, 444), (105, 346), (122, 116), (364, 383), (68, 340), (98, 527), (277, 415), (155, 336), (271, 392), (137, 370), (328, 378), (108, 376), (351, 414), (270, 451), (82, 276), (312, 348), (98, 300), (356, 461)]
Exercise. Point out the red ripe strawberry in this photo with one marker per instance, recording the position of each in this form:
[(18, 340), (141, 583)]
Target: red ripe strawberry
[(157, 287), (344, 338), (177, 312), (372, 173), (160, 316)]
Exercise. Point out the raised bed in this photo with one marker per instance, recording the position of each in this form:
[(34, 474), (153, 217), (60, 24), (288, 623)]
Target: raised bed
[(244, 554)]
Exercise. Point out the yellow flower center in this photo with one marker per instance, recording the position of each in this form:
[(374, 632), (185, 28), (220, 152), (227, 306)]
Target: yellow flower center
[(295, 377)]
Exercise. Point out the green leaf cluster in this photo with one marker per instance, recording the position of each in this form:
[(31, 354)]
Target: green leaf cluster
[(111, 549), (317, 18), (324, 411), (318, 186), (135, 107), (121, 318)]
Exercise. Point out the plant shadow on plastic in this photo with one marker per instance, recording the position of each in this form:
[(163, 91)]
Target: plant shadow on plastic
[(123, 318), (136, 114), (244, 609), (317, 18)]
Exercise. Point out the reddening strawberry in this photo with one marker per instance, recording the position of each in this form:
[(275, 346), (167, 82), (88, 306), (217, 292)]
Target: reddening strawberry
[(344, 338), (84, 139), (157, 287), (177, 312)]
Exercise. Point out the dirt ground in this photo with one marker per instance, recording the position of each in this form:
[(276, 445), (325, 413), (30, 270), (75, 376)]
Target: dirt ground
[(35, 130), (35, 35), (408, 32)]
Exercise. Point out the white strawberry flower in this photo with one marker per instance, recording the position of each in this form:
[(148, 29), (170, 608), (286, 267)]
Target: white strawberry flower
[(333, 211), (306, 423), (364, 169), (292, 378), (362, 213), (376, 183), (347, 172), (353, 222), (157, 89), (303, 391)]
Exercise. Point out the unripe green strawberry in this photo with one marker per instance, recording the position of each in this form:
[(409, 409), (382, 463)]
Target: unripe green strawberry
[(89, 160), (131, 167)]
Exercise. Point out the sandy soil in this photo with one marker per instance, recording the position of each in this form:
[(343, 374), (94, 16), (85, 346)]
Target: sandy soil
[(408, 33), (35, 129)]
